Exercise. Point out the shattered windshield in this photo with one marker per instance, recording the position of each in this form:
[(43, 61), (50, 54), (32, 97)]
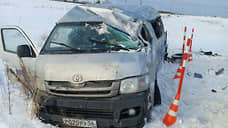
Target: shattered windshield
[(88, 38)]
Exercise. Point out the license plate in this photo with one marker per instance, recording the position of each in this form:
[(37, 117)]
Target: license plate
[(80, 122)]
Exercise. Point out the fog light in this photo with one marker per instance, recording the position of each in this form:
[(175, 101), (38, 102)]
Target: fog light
[(131, 112)]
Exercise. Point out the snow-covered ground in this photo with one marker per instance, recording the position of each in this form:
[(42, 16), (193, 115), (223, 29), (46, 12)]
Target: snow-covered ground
[(199, 106), (36, 17)]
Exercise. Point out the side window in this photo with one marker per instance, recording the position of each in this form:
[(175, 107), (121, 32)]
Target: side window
[(158, 27), (12, 38), (145, 34)]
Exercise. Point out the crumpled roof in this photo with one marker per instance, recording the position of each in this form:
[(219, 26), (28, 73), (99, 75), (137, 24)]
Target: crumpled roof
[(124, 18)]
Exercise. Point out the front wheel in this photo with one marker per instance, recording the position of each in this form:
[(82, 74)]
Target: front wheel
[(166, 54), (157, 95), (157, 101)]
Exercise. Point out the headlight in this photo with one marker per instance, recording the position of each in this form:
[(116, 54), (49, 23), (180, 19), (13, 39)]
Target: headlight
[(133, 85)]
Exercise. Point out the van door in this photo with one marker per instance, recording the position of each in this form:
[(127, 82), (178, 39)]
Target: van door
[(153, 44), (147, 37), (10, 38), (146, 34), (161, 36)]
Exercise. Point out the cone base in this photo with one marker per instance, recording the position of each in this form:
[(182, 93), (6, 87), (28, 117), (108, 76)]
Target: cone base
[(169, 120)]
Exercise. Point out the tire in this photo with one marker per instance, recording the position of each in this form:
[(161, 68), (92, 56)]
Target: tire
[(166, 54), (177, 56), (148, 116), (157, 101), (157, 95)]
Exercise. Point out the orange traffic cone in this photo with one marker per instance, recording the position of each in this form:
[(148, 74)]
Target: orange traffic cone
[(184, 39), (190, 49), (183, 46), (179, 70), (190, 57), (171, 116)]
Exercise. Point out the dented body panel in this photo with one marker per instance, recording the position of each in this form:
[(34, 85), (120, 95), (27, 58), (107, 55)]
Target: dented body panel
[(116, 16)]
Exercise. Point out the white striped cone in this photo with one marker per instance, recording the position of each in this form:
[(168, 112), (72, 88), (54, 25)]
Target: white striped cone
[(180, 70), (190, 49), (184, 39), (186, 53), (190, 57), (171, 116)]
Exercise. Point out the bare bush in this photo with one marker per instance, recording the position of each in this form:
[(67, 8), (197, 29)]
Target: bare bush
[(27, 80), (9, 92), (28, 83)]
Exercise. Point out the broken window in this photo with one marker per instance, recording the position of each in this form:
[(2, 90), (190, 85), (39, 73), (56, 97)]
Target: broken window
[(88, 37), (145, 34), (158, 27)]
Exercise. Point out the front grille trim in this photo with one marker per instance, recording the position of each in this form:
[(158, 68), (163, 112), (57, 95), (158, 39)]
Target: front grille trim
[(110, 89), (79, 92), (76, 112)]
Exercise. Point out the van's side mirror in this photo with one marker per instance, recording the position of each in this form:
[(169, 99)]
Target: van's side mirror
[(25, 51)]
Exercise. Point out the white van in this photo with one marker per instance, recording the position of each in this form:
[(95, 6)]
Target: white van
[(98, 67)]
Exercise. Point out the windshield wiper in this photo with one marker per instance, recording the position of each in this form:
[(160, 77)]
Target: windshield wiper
[(107, 43), (63, 44)]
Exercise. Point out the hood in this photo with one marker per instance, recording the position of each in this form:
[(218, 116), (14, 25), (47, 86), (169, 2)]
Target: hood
[(91, 67)]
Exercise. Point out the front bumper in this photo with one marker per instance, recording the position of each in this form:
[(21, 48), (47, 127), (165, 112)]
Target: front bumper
[(108, 112)]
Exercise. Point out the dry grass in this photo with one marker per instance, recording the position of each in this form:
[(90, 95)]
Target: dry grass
[(9, 92), (27, 81)]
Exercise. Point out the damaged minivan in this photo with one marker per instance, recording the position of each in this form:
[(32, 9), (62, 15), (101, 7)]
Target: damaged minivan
[(97, 68)]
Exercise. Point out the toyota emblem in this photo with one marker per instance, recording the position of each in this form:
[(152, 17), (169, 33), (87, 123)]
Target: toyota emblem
[(77, 78)]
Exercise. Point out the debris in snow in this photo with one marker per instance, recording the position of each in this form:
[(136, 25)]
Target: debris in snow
[(209, 53), (206, 53), (189, 73), (211, 71), (224, 88), (213, 90), (170, 59), (220, 71), (177, 57), (198, 75)]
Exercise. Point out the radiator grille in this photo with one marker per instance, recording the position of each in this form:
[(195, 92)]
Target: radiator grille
[(86, 89), (77, 113)]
